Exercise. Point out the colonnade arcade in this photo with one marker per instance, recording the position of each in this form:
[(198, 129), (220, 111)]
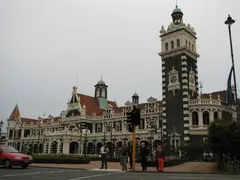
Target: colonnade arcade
[(75, 147)]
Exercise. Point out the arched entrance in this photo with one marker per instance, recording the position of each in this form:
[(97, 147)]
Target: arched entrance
[(90, 148), (40, 148), (99, 145), (54, 147), (73, 147)]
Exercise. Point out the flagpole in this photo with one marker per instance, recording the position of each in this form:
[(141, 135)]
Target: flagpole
[(229, 22)]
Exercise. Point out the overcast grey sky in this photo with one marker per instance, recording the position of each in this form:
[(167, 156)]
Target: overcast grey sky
[(45, 43)]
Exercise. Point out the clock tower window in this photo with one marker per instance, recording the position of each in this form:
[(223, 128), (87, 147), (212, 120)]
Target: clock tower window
[(172, 44), (178, 42), (166, 46)]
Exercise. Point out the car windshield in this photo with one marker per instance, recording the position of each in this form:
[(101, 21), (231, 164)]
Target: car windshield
[(9, 149)]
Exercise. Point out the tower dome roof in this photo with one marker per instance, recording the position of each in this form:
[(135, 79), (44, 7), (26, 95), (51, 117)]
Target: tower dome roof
[(135, 95), (101, 82), (177, 10)]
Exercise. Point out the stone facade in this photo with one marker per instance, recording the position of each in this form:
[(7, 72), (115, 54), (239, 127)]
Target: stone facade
[(183, 115)]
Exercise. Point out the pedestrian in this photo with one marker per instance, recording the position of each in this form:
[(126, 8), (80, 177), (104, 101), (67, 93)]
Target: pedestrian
[(130, 154), (156, 161), (160, 156), (103, 153), (143, 156), (25, 149), (124, 156)]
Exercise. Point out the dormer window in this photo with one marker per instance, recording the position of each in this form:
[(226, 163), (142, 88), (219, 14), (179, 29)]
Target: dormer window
[(172, 44), (178, 42), (166, 46)]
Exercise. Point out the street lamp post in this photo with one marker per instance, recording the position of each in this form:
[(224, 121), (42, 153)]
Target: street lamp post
[(38, 138), (1, 125), (229, 22)]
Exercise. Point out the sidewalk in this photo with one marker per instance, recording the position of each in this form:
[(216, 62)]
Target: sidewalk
[(188, 167)]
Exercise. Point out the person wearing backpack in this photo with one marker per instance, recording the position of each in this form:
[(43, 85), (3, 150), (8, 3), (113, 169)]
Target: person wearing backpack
[(124, 156)]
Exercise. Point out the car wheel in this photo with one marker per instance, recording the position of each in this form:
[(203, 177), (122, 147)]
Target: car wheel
[(25, 166), (7, 163)]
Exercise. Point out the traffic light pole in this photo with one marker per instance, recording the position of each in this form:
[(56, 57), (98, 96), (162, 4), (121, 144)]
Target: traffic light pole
[(134, 147)]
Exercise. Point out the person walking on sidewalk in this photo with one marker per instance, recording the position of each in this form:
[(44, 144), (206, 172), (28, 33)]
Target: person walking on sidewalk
[(160, 156), (103, 153), (124, 156), (130, 154), (144, 155)]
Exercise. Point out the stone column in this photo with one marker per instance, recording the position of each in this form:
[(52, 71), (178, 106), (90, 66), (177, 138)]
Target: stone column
[(49, 146), (58, 146), (65, 147), (200, 119)]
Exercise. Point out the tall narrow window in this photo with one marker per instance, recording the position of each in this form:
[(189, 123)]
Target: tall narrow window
[(172, 44), (178, 42), (186, 42), (166, 46)]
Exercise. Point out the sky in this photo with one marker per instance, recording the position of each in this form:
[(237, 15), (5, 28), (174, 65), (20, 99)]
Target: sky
[(48, 46)]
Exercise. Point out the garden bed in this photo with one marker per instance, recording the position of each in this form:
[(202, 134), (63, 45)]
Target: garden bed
[(63, 159)]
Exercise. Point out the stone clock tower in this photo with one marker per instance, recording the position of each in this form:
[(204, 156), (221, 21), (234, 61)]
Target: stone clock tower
[(179, 77)]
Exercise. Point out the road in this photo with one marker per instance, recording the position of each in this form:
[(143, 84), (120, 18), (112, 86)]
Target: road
[(68, 174)]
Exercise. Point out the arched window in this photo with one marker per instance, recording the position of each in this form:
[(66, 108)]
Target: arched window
[(178, 42), (118, 127), (99, 128), (172, 44), (108, 129), (206, 120), (166, 46), (195, 120), (215, 116)]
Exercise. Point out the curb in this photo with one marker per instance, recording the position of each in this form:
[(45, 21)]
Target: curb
[(82, 169), (220, 173), (72, 168)]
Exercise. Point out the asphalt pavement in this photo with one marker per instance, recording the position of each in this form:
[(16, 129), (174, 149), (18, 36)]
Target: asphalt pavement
[(34, 173)]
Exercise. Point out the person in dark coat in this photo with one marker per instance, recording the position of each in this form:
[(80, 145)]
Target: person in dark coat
[(130, 154), (144, 155), (160, 157)]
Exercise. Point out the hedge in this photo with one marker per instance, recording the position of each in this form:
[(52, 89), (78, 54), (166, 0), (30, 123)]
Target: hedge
[(81, 159), (63, 159)]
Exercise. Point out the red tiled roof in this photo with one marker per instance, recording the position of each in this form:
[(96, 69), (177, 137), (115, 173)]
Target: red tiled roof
[(15, 113), (92, 105), (215, 95)]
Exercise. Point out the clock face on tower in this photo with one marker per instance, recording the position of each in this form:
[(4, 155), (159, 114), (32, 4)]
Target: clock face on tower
[(173, 79)]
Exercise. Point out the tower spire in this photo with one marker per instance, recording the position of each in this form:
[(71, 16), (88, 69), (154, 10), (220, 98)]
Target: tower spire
[(176, 4)]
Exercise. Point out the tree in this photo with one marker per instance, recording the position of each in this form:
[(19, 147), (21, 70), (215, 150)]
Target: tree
[(224, 140)]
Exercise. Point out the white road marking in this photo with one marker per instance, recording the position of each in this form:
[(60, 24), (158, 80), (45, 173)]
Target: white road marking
[(43, 172), (93, 176), (192, 177), (107, 170)]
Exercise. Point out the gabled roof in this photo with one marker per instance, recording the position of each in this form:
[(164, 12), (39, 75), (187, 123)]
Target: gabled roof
[(92, 105), (15, 113)]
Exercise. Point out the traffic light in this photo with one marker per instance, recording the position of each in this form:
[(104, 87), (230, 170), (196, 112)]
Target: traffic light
[(129, 117), (130, 128), (136, 116)]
